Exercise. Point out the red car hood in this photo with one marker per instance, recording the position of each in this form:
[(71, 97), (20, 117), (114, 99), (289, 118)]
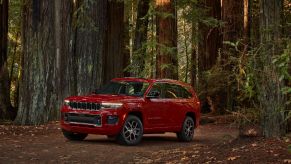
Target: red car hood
[(104, 98)]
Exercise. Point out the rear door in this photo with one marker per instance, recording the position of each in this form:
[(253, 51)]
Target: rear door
[(179, 100)]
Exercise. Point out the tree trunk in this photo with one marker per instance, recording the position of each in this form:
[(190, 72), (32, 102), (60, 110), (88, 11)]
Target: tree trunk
[(211, 40), (268, 83), (6, 109), (115, 57), (65, 45), (233, 16), (37, 94), (90, 45), (166, 60), (194, 57), (246, 28), (140, 37)]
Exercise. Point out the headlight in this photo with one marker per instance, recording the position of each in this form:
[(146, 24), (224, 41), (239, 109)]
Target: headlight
[(66, 102), (106, 105)]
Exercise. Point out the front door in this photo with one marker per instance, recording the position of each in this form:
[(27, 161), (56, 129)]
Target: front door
[(155, 108)]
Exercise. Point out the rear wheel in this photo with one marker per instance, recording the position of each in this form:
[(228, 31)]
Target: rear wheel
[(74, 136), (132, 131), (187, 132)]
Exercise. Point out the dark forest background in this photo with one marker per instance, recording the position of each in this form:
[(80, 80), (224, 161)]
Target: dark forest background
[(235, 53)]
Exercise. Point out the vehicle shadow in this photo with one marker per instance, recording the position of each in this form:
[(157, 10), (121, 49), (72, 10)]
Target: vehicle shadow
[(147, 141)]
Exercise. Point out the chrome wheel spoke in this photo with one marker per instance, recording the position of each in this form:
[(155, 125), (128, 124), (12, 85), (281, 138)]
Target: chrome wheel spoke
[(189, 127), (131, 130)]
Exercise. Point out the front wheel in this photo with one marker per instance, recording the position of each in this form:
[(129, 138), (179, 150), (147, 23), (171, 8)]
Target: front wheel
[(74, 136), (187, 132), (132, 131)]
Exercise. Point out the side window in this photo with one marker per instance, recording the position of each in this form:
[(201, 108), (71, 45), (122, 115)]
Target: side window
[(157, 87), (184, 93), (171, 91), (174, 91)]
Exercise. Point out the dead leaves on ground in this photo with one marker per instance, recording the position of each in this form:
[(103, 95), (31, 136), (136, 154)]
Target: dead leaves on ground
[(233, 158)]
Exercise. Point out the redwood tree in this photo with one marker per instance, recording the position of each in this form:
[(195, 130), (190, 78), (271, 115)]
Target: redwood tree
[(166, 60), (90, 45), (114, 57), (233, 17), (268, 78), (210, 41), (140, 37), (210, 37), (37, 93)]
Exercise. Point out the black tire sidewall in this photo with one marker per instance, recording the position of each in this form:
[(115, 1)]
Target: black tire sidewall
[(182, 136), (121, 138)]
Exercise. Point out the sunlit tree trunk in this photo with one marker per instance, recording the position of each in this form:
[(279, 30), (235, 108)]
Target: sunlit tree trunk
[(246, 28), (166, 60), (268, 83), (37, 94)]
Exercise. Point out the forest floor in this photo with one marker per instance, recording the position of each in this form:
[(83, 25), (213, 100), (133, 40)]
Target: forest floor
[(213, 143)]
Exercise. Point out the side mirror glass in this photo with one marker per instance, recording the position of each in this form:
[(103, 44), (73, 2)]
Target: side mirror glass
[(153, 94)]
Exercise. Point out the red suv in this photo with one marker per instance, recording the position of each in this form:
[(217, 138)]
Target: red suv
[(127, 108)]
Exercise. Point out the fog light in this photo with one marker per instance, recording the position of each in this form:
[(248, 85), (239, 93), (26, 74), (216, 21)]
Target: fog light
[(112, 119)]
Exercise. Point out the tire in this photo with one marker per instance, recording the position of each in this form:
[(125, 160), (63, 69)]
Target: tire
[(131, 132), (74, 136), (187, 132)]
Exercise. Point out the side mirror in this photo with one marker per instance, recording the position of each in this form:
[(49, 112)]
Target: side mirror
[(153, 94)]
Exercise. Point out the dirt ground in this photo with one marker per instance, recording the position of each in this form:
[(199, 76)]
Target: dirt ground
[(213, 143)]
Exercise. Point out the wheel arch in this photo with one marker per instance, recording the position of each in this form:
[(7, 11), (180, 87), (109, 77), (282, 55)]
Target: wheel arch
[(193, 116), (137, 114)]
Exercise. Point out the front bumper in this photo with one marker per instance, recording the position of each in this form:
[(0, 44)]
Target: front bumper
[(103, 126)]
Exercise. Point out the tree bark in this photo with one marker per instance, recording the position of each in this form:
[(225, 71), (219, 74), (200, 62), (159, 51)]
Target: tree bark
[(194, 56), (6, 109), (246, 28), (140, 37), (37, 94), (268, 83), (166, 60), (211, 39), (233, 16), (90, 45), (115, 58)]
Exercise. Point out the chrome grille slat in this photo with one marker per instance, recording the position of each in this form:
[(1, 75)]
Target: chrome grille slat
[(84, 106)]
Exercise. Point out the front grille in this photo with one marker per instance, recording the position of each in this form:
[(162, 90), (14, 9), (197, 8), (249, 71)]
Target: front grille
[(84, 106), (75, 118)]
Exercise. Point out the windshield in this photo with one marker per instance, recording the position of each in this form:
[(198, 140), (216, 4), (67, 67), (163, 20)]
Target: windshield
[(124, 88)]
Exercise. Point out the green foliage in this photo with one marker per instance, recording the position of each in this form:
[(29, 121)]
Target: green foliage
[(14, 46), (283, 65)]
